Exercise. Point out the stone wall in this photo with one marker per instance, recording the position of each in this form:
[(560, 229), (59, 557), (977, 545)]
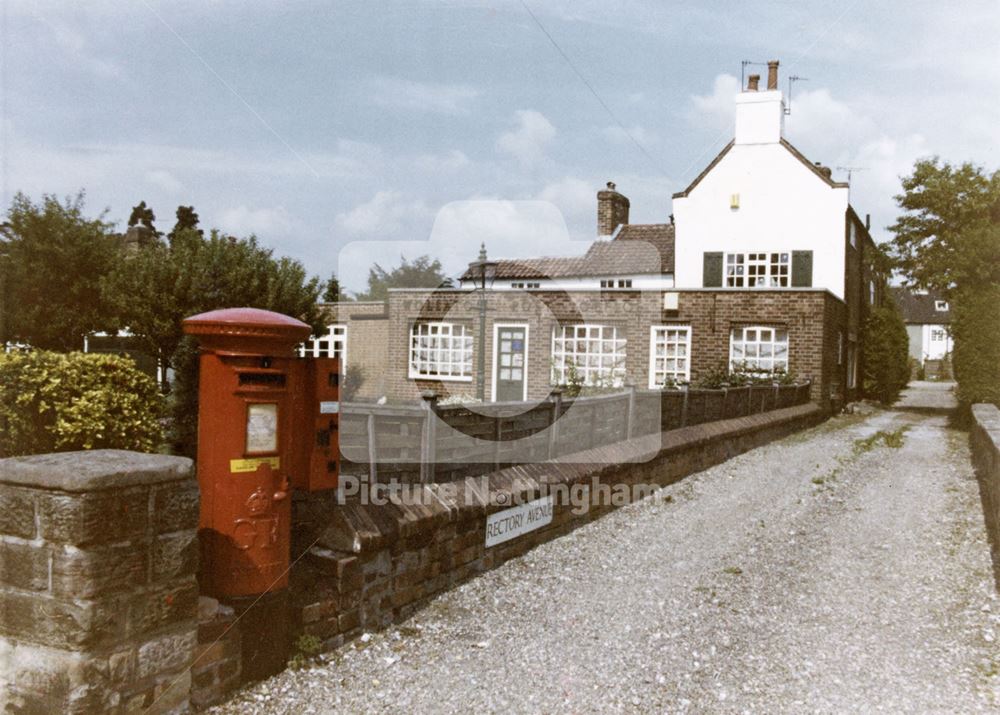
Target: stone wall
[(98, 597), (365, 565), (984, 438)]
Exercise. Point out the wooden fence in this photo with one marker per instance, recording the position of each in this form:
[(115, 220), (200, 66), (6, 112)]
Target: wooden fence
[(434, 443)]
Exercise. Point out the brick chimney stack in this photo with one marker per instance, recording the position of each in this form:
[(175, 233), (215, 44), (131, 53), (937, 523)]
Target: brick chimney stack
[(772, 74), (752, 82), (612, 210)]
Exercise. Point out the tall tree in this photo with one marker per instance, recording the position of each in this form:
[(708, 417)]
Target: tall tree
[(332, 292), (186, 219), (143, 215), (422, 272), (947, 233), (53, 258)]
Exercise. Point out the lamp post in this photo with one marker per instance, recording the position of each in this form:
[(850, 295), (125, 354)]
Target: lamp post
[(483, 274)]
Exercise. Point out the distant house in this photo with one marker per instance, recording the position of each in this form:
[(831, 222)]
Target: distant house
[(928, 324), (764, 265)]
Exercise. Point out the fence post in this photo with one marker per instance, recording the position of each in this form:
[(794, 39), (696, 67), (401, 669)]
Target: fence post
[(428, 443), (630, 414), (554, 424), (777, 395), (749, 389), (372, 454), (725, 404), (684, 409)]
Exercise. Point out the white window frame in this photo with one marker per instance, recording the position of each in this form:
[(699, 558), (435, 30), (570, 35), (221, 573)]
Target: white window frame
[(496, 347), (591, 332), (775, 267), (938, 331), (871, 292), (441, 330), (653, 331), (744, 330), (941, 305), (336, 338)]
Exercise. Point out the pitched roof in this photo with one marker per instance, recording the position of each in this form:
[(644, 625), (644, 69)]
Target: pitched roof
[(785, 143), (919, 308), (637, 249)]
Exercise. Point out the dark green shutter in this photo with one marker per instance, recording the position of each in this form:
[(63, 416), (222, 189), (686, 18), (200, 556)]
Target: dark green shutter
[(712, 273), (802, 269)]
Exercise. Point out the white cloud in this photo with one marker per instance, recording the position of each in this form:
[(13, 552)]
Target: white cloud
[(718, 107), (623, 137), (528, 140), (242, 221), (575, 198), (164, 180), (447, 162), (423, 96), (387, 213)]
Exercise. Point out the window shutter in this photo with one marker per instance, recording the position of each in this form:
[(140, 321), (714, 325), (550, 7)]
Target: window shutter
[(712, 273), (802, 269)]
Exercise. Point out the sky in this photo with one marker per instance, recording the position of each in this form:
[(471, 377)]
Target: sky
[(347, 133)]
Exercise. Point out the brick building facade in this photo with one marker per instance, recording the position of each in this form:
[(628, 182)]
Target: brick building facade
[(767, 267)]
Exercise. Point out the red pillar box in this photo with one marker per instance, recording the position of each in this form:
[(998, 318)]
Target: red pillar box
[(249, 375)]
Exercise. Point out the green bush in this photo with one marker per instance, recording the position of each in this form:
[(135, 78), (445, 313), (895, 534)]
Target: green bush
[(58, 402), (887, 358), (976, 358)]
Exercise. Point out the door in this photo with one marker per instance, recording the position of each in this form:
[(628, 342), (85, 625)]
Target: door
[(510, 363)]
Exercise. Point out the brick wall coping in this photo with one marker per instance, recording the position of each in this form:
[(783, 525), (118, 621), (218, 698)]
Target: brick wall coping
[(359, 528), (92, 470)]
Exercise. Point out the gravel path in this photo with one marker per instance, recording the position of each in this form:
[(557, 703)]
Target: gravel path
[(821, 573)]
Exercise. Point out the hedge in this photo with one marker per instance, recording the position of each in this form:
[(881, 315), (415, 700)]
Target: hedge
[(887, 358), (59, 402), (976, 330)]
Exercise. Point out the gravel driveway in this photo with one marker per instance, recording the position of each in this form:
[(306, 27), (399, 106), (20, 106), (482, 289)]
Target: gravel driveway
[(827, 572)]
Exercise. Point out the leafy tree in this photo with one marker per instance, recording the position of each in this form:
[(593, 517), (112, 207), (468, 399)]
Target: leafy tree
[(186, 219), (52, 258), (422, 272), (887, 358), (332, 292), (154, 289), (947, 234), (142, 215)]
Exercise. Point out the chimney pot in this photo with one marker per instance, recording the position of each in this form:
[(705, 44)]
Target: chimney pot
[(752, 82), (772, 74), (611, 186)]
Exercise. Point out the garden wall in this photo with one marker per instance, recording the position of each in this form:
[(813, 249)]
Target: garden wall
[(984, 439), (365, 565)]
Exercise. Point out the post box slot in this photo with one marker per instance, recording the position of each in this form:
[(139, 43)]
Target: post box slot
[(270, 379)]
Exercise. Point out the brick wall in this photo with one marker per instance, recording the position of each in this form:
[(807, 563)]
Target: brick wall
[(364, 566), (812, 317), (367, 341), (98, 596)]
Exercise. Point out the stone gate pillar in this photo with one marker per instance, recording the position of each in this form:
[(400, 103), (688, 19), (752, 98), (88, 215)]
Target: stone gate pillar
[(98, 598)]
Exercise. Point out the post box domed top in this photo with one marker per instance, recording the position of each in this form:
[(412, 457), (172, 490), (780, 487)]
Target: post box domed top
[(246, 331)]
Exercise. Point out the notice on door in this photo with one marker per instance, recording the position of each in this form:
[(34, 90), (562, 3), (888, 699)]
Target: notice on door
[(511, 523)]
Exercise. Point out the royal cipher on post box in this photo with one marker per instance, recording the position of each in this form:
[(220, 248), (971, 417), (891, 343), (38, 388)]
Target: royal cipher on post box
[(267, 423)]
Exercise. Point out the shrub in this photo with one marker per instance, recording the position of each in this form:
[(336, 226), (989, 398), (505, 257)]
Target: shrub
[(976, 358), (742, 374), (887, 358), (58, 402)]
